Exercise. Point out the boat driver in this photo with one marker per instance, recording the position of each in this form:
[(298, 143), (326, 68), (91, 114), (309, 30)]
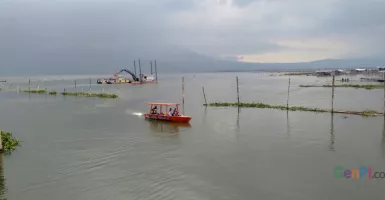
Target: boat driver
[(154, 110)]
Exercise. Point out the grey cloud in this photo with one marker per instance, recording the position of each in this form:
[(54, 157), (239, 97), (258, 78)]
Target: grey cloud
[(45, 34)]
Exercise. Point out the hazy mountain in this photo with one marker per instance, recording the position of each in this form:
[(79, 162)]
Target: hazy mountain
[(91, 60)]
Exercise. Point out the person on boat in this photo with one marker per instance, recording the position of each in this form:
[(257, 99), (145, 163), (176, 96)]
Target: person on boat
[(154, 110), (175, 112), (170, 113)]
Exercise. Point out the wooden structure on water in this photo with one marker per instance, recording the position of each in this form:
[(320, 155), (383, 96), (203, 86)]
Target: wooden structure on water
[(136, 79)]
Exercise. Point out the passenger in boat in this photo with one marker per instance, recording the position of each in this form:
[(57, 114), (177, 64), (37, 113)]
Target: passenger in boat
[(154, 110), (175, 112), (170, 113)]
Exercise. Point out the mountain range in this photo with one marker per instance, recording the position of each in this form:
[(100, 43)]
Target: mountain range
[(169, 59)]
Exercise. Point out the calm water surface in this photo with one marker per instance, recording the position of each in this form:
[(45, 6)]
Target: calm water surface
[(85, 148)]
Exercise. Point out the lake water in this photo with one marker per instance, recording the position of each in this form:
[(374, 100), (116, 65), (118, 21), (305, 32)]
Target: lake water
[(89, 148)]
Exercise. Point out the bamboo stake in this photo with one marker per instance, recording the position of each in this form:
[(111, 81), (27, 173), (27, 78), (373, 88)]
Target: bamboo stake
[(151, 66), (75, 83), (204, 95), (134, 68), (29, 85), (90, 84), (237, 91), (156, 73), (183, 95), (288, 95), (333, 94), (140, 73)]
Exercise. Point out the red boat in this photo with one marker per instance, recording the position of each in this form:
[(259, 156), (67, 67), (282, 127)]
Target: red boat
[(165, 115)]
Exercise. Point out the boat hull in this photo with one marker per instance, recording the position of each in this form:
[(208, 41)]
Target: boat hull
[(179, 119)]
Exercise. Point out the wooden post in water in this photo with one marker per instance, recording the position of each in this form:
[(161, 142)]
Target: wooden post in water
[(75, 83), (288, 95), (29, 85), (156, 73), (204, 95), (237, 91), (140, 73), (333, 93), (134, 68), (90, 84), (183, 95), (151, 66)]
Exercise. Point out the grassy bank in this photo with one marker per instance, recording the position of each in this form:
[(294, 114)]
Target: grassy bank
[(85, 94), (368, 87), (35, 91), (292, 108), (8, 141), (52, 93)]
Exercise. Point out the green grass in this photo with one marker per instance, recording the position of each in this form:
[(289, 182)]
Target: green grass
[(368, 87), (53, 92), (291, 108), (369, 112), (85, 94), (8, 141), (35, 91)]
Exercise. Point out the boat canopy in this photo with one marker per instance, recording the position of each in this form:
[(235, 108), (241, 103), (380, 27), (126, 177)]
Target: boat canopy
[(163, 104)]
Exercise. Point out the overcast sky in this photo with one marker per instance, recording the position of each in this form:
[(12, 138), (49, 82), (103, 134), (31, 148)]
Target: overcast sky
[(247, 30)]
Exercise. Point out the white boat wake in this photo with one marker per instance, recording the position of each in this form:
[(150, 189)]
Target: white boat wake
[(137, 114)]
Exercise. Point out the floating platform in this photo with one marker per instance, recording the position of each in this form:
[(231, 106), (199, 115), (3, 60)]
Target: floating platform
[(144, 82)]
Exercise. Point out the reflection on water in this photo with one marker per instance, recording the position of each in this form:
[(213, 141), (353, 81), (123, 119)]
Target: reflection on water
[(383, 139), (167, 127), (332, 136), (238, 128), (287, 124), (2, 179)]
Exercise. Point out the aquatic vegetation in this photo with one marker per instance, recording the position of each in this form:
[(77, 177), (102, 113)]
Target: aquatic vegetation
[(85, 94), (369, 112), (292, 108), (357, 86), (53, 92), (35, 91), (8, 141)]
